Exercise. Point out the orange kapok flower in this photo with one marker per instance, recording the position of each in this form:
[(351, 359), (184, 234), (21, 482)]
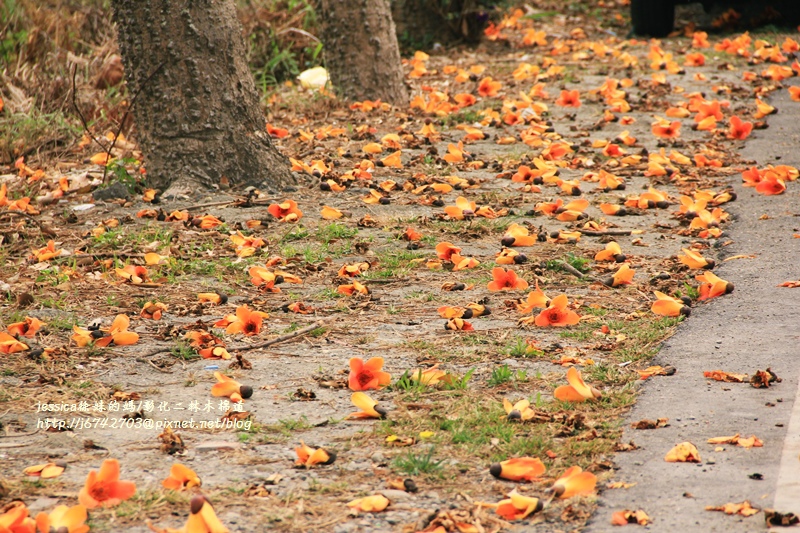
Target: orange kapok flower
[(247, 321), (536, 299), (506, 280), (370, 504), (62, 519), (667, 130), (15, 519), (771, 185), (430, 376), (445, 250), (367, 376), (463, 209), (286, 211), (28, 328), (118, 333), (488, 87), (712, 286), (133, 273), (202, 519), (229, 387), (574, 482), (612, 252), (623, 276), (694, 260), (308, 457), (104, 489), (181, 477), (153, 310), (794, 93), (685, 452), (330, 213), (517, 235), (666, 305), (212, 298), (623, 518), (353, 270), (353, 288), (557, 314), (739, 129), (577, 391), (369, 407), (569, 99), (46, 471), (518, 469), (48, 252), (81, 336), (518, 507)]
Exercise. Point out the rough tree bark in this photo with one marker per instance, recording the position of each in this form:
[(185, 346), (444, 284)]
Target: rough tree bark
[(361, 50), (198, 118)]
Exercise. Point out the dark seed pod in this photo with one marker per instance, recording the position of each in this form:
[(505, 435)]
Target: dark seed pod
[(620, 258), (621, 187), (331, 457), (686, 300), (710, 263), (197, 504), (384, 201), (514, 415), (410, 485), (729, 288), (381, 411), (467, 313), (538, 180), (507, 241), (541, 237), (278, 279), (438, 203), (686, 311), (662, 204), (223, 298), (650, 204), (496, 469), (520, 259), (608, 281), (412, 246), (246, 391), (97, 334), (575, 191), (458, 287), (554, 234), (622, 212), (325, 186)]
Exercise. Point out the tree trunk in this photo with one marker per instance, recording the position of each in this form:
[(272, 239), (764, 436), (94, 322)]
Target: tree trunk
[(361, 50), (197, 113)]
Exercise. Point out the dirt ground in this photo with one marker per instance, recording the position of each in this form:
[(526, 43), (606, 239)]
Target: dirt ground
[(441, 437)]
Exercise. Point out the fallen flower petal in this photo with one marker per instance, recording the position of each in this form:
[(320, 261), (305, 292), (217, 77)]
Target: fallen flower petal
[(181, 477), (577, 391), (623, 518), (229, 387), (685, 452), (369, 504), (308, 456), (574, 482), (518, 507), (518, 469), (369, 407), (744, 508)]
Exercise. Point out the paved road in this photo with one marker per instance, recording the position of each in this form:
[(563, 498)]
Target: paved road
[(756, 327)]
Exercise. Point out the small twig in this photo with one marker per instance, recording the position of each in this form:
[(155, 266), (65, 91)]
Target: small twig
[(149, 362), (125, 117), (594, 233), (157, 351), (107, 254), (78, 110), (234, 203), (570, 269), (282, 338), (43, 229)]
